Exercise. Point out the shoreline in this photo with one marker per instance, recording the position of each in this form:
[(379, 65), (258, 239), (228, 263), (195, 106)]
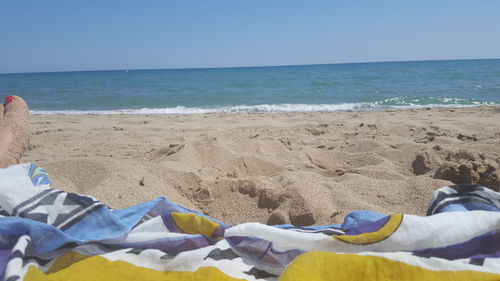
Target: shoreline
[(294, 167), (222, 110)]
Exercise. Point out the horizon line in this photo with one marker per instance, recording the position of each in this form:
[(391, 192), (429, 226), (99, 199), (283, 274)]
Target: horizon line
[(254, 66)]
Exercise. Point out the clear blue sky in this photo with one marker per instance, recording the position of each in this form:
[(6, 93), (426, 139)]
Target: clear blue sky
[(66, 35)]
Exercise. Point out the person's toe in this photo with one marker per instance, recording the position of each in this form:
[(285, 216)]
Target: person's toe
[(14, 107)]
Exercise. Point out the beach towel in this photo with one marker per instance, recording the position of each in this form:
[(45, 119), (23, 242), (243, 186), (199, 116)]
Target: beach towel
[(49, 234)]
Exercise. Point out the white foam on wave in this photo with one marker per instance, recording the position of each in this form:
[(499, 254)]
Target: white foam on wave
[(263, 108)]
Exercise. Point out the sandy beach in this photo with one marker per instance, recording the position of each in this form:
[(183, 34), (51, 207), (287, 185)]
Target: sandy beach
[(300, 168)]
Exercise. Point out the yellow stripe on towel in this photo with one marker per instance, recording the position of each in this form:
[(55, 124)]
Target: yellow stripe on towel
[(99, 268), (373, 237), (194, 224), (321, 266)]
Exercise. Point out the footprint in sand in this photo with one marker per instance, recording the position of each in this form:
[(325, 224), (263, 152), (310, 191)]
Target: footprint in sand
[(166, 151), (315, 132)]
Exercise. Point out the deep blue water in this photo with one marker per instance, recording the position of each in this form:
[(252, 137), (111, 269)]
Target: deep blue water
[(326, 87)]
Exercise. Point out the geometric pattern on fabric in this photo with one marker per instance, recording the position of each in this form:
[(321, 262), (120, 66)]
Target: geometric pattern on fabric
[(38, 175), (57, 208), (463, 197), (49, 234)]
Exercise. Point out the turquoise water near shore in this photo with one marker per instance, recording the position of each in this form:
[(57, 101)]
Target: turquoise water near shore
[(328, 87)]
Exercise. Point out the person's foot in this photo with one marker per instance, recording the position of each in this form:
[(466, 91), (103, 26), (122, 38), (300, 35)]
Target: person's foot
[(14, 130)]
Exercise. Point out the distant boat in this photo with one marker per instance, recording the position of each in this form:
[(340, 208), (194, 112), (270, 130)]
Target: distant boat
[(126, 70)]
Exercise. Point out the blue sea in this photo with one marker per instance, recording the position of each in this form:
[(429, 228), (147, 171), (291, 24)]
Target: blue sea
[(304, 88)]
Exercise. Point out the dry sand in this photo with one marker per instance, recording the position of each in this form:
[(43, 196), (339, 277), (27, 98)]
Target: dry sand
[(300, 168)]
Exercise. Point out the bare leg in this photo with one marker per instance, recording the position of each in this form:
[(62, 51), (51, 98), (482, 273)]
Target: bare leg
[(14, 130)]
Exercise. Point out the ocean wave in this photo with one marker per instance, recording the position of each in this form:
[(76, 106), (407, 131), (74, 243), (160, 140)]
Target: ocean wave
[(263, 108)]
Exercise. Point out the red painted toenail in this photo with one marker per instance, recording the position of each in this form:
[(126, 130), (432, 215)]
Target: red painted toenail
[(9, 99)]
